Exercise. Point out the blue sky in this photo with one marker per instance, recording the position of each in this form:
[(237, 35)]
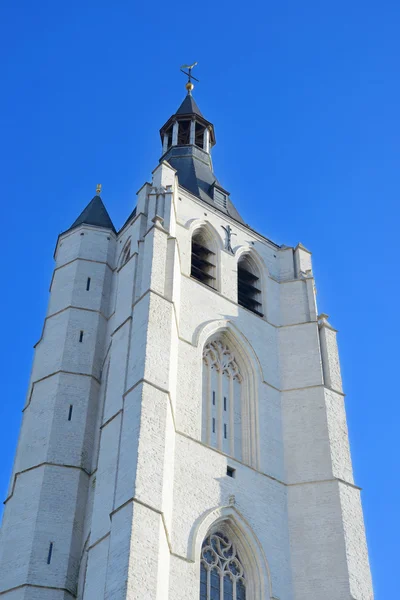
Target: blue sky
[(304, 97)]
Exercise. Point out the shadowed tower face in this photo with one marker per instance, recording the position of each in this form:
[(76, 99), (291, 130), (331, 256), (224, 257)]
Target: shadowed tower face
[(184, 434)]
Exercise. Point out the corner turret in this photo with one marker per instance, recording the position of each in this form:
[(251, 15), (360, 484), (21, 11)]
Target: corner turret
[(95, 214)]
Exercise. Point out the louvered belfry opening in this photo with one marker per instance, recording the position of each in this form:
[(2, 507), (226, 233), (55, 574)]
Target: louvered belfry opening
[(203, 260), (184, 133), (249, 292)]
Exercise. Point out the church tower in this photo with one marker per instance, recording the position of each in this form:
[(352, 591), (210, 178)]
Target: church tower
[(184, 433)]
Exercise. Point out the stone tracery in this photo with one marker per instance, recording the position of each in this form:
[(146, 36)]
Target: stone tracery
[(221, 570), (217, 355), (222, 398)]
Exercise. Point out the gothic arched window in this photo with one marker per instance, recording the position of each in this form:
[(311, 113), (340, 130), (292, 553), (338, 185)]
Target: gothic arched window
[(203, 260), (222, 399), (125, 254), (222, 576), (249, 289)]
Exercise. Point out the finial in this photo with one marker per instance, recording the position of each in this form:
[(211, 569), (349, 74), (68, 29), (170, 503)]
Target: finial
[(189, 86), (98, 189)]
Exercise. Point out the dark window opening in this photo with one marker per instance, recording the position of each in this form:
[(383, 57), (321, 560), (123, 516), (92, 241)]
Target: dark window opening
[(88, 284), (214, 398), (183, 133), (169, 134), (126, 254), (203, 261), (249, 293), (81, 336), (225, 431), (213, 425), (199, 135), (49, 555), (70, 413), (230, 472), (224, 403)]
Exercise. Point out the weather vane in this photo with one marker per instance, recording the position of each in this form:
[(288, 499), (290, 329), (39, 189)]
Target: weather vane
[(189, 85)]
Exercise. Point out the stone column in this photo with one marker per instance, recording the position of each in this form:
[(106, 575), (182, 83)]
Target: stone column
[(192, 131), (175, 133), (165, 143), (206, 140)]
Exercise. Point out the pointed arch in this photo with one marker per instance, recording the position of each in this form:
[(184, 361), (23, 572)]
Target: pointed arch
[(193, 224), (230, 394), (125, 253), (206, 330), (205, 250), (231, 523), (251, 280)]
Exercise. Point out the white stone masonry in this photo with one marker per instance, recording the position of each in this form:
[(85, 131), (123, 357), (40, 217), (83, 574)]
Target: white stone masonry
[(115, 484)]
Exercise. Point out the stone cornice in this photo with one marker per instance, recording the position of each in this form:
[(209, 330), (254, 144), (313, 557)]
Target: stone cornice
[(38, 466), (38, 587)]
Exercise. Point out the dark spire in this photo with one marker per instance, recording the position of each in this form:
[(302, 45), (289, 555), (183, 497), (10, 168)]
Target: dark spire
[(94, 214), (187, 139), (189, 107)]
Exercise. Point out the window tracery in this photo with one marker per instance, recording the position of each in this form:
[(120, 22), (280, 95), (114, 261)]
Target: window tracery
[(126, 254), (222, 399), (222, 574)]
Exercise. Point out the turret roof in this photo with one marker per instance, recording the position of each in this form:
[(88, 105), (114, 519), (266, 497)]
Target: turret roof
[(189, 107), (94, 214)]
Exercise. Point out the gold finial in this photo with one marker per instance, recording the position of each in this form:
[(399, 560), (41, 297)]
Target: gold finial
[(98, 189), (189, 86)]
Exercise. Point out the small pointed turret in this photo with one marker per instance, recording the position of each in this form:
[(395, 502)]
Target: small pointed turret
[(189, 107), (95, 214)]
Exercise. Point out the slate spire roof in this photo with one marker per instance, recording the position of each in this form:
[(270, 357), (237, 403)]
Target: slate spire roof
[(193, 163), (94, 214), (189, 107)]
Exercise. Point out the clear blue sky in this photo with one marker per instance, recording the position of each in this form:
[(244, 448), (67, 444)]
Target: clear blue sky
[(305, 100)]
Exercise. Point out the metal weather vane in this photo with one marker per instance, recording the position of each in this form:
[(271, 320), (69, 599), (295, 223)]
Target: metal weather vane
[(189, 85)]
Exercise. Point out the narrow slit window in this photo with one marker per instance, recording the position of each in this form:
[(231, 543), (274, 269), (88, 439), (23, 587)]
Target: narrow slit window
[(50, 553), (214, 398), (249, 292), (88, 284), (70, 412), (81, 336), (225, 403), (213, 425), (225, 431), (203, 261)]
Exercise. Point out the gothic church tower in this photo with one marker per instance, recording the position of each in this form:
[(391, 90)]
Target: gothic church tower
[(184, 433)]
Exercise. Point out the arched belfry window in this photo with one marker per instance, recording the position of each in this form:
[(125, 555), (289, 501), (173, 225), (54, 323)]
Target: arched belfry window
[(184, 133), (249, 285), (203, 259), (222, 575)]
